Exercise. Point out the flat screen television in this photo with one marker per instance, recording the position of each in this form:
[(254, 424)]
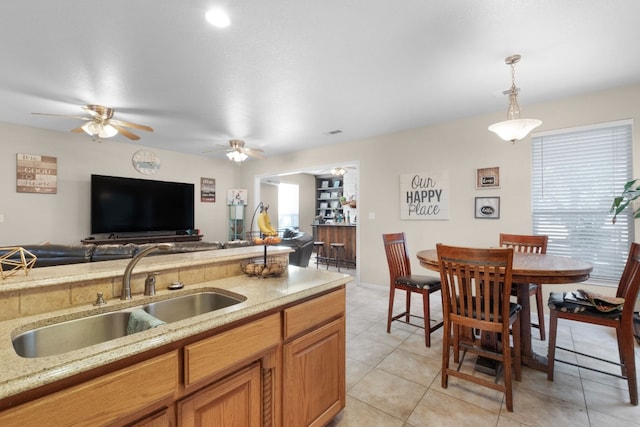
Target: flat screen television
[(130, 205)]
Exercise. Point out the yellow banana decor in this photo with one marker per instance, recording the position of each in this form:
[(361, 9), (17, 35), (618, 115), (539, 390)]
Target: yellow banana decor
[(264, 223)]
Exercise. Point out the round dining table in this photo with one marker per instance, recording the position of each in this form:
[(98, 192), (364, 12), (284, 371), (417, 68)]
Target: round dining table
[(530, 268)]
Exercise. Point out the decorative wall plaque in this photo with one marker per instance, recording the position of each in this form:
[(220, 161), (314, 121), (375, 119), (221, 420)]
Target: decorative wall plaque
[(36, 174), (488, 178), (424, 195), (207, 190)]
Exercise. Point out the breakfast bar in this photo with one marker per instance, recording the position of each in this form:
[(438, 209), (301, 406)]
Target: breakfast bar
[(338, 233)]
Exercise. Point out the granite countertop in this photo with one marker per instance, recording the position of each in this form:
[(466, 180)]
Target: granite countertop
[(21, 374), (82, 272)]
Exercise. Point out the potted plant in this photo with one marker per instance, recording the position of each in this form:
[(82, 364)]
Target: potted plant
[(630, 193)]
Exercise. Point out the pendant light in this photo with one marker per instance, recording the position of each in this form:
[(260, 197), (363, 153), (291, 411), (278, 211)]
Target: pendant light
[(514, 128)]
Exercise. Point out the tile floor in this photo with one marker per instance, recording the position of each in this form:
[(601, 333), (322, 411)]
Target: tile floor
[(394, 380)]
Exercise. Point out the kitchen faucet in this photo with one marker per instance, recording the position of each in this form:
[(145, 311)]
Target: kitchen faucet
[(126, 278)]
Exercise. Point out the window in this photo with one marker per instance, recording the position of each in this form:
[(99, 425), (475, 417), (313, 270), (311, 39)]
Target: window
[(288, 205), (576, 173)]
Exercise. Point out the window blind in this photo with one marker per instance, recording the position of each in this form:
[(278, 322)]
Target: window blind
[(576, 173)]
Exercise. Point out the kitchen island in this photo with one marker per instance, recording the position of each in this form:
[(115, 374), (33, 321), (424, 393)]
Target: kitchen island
[(288, 331)]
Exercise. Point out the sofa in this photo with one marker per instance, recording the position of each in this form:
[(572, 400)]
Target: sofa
[(56, 254), (302, 244)]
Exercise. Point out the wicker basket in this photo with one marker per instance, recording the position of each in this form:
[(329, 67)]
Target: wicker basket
[(275, 266)]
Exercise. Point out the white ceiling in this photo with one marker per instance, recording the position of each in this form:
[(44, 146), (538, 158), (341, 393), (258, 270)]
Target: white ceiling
[(287, 72)]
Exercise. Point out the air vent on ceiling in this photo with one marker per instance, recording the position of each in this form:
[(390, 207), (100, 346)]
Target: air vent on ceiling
[(335, 132)]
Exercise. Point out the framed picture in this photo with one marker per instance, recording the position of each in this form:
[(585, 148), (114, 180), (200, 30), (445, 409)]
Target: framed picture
[(324, 195), (488, 178), (325, 184), (335, 194), (336, 183), (487, 207), (324, 205), (237, 196)]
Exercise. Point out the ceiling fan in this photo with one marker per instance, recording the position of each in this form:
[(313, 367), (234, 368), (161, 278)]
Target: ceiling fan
[(101, 124), (237, 152)]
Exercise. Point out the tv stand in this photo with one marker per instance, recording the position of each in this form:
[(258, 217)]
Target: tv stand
[(162, 238)]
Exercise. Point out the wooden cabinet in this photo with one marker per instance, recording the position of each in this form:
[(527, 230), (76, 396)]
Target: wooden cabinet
[(102, 400), (284, 368), (163, 418), (314, 388), (233, 402)]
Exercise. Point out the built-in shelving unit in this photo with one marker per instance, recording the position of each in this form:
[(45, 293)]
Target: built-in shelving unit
[(329, 190)]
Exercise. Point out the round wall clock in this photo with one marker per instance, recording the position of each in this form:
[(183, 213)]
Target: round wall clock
[(146, 162)]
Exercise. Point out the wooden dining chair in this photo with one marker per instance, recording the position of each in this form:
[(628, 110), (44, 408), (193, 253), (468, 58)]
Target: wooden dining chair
[(401, 278), (534, 245), (621, 320), (476, 286)]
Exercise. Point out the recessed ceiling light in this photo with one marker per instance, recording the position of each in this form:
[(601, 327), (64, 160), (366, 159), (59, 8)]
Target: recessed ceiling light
[(218, 18)]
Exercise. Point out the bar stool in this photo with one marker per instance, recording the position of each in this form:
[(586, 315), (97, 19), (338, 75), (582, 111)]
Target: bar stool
[(319, 246), (335, 253)]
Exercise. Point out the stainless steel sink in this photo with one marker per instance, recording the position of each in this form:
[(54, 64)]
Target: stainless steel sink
[(75, 334), (71, 335), (183, 307)]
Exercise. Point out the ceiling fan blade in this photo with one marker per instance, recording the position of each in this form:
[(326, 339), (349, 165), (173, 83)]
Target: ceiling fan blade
[(125, 132), (64, 116), (77, 130), (254, 152), (130, 125)]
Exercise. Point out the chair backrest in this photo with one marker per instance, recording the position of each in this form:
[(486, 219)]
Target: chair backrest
[(476, 284), (524, 243), (395, 247), (630, 284)]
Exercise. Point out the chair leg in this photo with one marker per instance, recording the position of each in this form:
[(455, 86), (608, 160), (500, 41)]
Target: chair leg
[(507, 372), (392, 294), (551, 354), (540, 306), (407, 316), (626, 348), (427, 317), (446, 344)]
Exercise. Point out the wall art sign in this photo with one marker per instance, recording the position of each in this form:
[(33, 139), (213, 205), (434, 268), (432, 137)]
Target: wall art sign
[(36, 174), (237, 196), (488, 178), (208, 190), (424, 196), (487, 207)]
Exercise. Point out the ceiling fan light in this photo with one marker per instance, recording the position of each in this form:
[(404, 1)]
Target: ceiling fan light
[(237, 156), (92, 128), (107, 131), (339, 171), (515, 129)]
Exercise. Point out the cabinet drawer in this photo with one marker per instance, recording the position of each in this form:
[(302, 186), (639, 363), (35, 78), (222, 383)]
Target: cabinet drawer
[(102, 400), (305, 316), (212, 355)]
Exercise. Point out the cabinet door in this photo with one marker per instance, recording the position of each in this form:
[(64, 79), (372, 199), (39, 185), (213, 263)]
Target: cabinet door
[(235, 401), (314, 376)]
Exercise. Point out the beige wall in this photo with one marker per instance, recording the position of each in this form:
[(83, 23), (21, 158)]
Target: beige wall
[(460, 147), (64, 217)]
